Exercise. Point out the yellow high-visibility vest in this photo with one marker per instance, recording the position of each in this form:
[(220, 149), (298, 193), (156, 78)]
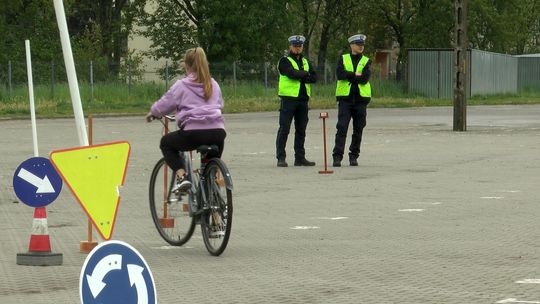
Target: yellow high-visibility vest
[(343, 87), (291, 87)]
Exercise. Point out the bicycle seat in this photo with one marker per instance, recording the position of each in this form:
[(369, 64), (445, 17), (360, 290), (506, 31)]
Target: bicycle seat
[(208, 150)]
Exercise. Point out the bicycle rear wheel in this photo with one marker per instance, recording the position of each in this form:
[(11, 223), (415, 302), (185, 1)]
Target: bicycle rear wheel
[(216, 222), (169, 212)]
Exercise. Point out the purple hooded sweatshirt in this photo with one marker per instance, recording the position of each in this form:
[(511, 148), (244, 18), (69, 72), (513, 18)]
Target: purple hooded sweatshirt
[(193, 112)]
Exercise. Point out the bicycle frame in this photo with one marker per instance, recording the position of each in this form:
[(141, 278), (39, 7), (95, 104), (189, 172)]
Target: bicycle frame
[(199, 194), (208, 204)]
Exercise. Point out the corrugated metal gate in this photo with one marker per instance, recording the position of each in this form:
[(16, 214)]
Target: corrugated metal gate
[(431, 72), (529, 73), (493, 73)]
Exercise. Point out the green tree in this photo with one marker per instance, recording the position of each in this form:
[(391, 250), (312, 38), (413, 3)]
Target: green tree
[(338, 21), (171, 27), (432, 25), (35, 21), (509, 26), (396, 16), (108, 23), (227, 30)]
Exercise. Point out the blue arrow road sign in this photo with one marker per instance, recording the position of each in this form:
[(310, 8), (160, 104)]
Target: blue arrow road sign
[(114, 272), (36, 182)]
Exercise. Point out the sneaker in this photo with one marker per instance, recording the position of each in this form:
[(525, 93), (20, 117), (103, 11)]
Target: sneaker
[(303, 162), (282, 163), (353, 162), (182, 185), (336, 163)]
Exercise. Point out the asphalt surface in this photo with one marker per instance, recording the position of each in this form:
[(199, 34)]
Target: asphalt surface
[(429, 216)]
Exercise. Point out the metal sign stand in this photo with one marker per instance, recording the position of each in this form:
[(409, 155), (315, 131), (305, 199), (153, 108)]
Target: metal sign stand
[(324, 116)]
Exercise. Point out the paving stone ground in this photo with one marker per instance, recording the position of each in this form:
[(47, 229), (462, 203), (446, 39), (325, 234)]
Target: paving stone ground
[(429, 215)]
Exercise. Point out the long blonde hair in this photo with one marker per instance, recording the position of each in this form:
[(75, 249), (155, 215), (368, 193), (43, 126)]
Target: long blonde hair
[(195, 58)]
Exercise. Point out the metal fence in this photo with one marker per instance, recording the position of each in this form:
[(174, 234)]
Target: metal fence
[(431, 72), (529, 73), (492, 73), (49, 76)]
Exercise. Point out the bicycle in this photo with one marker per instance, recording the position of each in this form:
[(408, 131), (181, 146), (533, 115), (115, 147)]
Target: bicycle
[(208, 202)]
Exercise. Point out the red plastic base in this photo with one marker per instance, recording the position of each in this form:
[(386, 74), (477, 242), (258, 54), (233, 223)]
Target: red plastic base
[(166, 222), (87, 246), (326, 172)]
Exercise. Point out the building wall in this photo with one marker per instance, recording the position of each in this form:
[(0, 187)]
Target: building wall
[(140, 45)]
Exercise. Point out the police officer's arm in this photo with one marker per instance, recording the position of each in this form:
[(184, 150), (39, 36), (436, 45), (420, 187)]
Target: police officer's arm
[(312, 76), (341, 74), (366, 73), (285, 68)]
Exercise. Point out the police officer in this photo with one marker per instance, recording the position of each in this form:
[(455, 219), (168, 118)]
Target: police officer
[(353, 94), (295, 76)]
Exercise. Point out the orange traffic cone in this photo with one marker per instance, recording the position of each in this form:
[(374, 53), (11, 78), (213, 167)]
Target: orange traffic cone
[(39, 250)]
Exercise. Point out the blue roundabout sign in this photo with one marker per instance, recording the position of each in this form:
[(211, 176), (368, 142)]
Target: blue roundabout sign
[(114, 272)]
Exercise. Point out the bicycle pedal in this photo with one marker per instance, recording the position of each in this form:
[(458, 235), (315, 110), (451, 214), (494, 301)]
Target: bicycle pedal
[(216, 234)]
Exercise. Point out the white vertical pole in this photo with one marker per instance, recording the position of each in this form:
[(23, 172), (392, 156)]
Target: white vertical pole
[(70, 71), (31, 96)]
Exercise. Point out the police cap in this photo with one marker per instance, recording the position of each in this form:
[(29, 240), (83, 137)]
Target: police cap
[(357, 39), (297, 40)]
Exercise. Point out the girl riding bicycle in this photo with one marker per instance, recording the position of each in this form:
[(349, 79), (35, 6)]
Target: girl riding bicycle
[(197, 102)]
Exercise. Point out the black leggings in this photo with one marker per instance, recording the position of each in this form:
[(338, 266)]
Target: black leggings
[(181, 140)]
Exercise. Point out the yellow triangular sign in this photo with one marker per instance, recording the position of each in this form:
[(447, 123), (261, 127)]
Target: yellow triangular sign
[(94, 175)]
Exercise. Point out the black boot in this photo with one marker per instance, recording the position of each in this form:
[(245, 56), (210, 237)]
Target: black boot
[(282, 163), (353, 162), (303, 162)]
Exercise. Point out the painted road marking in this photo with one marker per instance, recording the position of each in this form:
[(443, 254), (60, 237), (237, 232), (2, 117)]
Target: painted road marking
[(426, 203), (514, 300), (492, 197), (411, 210), (529, 281), (332, 218), (172, 247), (304, 227)]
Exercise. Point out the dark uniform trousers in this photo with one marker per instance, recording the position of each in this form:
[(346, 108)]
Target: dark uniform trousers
[(297, 109), (347, 110)]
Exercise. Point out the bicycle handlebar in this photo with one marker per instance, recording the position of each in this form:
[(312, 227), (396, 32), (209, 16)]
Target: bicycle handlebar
[(170, 117), (151, 117)]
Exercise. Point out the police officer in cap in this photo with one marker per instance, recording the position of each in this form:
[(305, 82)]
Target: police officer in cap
[(353, 94), (295, 76)]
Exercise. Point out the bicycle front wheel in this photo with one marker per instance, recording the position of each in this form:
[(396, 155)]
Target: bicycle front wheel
[(169, 211), (216, 222)]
